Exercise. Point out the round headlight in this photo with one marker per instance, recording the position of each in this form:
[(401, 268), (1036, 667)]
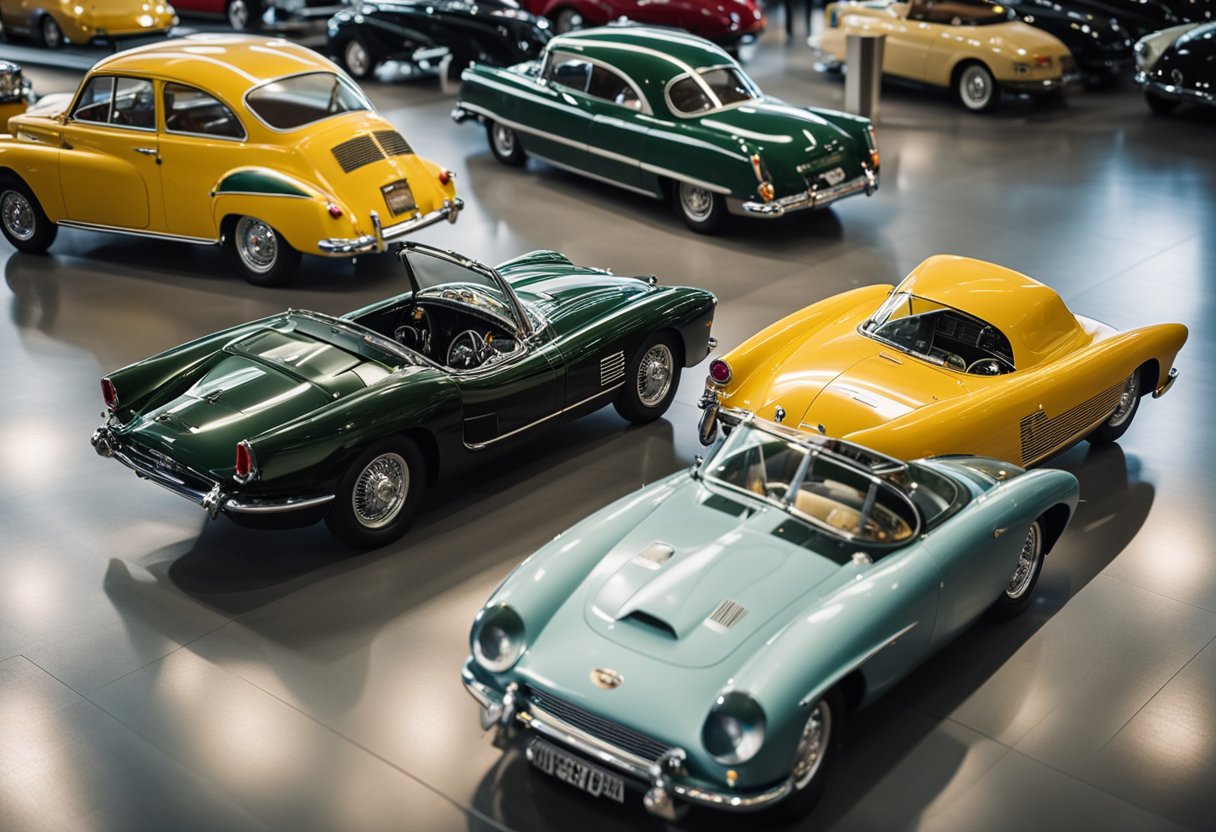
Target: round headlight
[(734, 730), (498, 638)]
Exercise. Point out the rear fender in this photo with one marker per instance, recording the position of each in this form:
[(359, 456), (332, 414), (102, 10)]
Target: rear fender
[(295, 209)]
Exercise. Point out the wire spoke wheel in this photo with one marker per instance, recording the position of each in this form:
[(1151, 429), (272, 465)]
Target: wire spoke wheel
[(257, 244), (17, 215), (1127, 401), (697, 202), (654, 375), (380, 491), (812, 746), (1028, 563)]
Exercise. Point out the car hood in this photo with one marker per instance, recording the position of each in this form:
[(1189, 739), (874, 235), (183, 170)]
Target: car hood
[(569, 296)]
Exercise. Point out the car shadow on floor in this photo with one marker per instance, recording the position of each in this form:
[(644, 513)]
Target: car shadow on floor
[(1115, 505)]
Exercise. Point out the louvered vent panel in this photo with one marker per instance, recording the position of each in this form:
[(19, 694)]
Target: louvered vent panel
[(394, 143), (612, 369), (728, 614), (1042, 434), (354, 153)]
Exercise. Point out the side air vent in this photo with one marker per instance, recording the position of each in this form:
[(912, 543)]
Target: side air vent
[(652, 622), (727, 615), (612, 368), (354, 153), (655, 555), (1041, 434), (393, 143)]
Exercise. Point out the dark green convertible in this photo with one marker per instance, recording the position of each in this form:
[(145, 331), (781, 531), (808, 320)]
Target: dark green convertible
[(672, 116), (302, 416)]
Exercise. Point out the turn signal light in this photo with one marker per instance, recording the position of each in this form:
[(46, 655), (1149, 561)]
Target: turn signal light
[(767, 192), (334, 210), (446, 176), (244, 461), (108, 394), (719, 371)]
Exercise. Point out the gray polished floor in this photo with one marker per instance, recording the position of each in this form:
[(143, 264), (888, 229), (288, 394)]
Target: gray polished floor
[(162, 672)]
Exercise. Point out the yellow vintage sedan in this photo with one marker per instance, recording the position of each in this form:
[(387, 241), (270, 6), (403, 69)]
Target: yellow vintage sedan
[(254, 143), (973, 47), (962, 357), (54, 23)]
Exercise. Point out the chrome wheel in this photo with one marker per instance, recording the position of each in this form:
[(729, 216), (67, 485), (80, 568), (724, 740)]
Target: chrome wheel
[(812, 746), (696, 202), (257, 244), (975, 87), (239, 14), (17, 215), (357, 59), (1028, 564), (654, 375), (567, 20), (504, 139), (1127, 401), (380, 491), (52, 35)]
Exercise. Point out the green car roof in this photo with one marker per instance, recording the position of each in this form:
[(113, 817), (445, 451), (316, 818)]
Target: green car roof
[(655, 53)]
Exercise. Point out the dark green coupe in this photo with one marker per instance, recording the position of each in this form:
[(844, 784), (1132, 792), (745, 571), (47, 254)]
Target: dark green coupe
[(672, 116), (302, 416)]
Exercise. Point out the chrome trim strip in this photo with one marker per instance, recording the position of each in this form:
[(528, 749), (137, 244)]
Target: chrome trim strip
[(275, 506), (597, 177), (131, 232), (478, 446), (578, 56)]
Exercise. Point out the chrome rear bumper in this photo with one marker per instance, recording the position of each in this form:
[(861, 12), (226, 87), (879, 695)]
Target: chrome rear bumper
[(381, 236), (867, 182)]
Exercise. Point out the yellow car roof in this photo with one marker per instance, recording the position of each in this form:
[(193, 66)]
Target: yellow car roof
[(1031, 315), (226, 64)]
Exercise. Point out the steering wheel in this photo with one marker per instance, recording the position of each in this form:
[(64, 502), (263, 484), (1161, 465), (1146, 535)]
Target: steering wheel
[(469, 350), (985, 367), (419, 334)]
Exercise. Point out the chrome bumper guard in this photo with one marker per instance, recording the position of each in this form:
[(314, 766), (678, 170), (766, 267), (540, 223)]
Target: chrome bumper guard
[(502, 713), (213, 499), (809, 199), (381, 236), (1169, 382), (1174, 92), (713, 414)]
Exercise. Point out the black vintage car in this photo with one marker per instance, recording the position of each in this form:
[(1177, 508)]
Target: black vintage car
[(1178, 65), (1099, 44), (495, 32), (1138, 17)]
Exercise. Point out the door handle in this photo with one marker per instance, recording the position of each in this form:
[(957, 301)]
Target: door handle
[(147, 151)]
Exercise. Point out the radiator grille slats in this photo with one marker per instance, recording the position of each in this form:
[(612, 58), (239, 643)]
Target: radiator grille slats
[(610, 732), (354, 153), (393, 143), (1042, 434)]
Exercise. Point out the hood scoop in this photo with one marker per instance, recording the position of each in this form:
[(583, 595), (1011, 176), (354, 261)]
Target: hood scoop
[(355, 153), (654, 555), (727, 615), (653, 622)]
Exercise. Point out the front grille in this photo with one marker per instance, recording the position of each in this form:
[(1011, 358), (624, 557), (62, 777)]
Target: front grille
[(393, 143), (354, 153), (1042, 434), (610, 732)]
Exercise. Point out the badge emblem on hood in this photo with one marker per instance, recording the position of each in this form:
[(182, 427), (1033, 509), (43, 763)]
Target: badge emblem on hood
[(606, 678)]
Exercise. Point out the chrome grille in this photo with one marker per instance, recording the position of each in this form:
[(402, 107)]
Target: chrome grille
[(354, 153), (1042, 434), (393, 143), (612, 368), (728, 614), (610, 732)]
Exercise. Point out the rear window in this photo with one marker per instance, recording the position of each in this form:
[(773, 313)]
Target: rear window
[(290, 103)]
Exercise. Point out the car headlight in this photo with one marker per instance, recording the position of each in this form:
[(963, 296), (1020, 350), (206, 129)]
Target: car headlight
[(734, 730), (498, 638)]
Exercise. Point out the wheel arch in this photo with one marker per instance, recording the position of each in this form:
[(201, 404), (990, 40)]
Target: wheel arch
[(1150, 369), (1055, 521), (429, 446)]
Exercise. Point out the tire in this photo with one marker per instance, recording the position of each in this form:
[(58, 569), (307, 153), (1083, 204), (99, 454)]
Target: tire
[(1119, 421), (365, 516), (259, 252), (24, 223), (49, 33), (567, 19), (505, 144), (358, 58), (1160, 105), (1020, 588), (702, 210), (813, 757), (244, 15), (976, 88), (651, 379)]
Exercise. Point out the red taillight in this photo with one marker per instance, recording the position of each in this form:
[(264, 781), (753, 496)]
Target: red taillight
[(1042, 60), (108, 394), (719, 371), (244, 461), (446, 176), (335, 211)]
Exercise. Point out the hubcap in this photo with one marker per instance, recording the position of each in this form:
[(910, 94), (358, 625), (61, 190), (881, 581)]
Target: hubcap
[(356, 58), (380, 491), (698, 203), (257, 244), (654, 375), (238, 14), (1028, 560), (50, 32), (17, 215), (504, 140), (812, 746), (977, 88), (1127, 401)]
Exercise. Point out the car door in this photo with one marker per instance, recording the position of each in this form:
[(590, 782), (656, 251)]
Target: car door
[(909, 39), (559, 116), (615, 135), (111, 149), (199, 142)]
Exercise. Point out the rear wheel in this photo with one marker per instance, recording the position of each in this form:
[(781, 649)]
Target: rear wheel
[(651, 379), (1125, 411), (22, 219), (379, 495), (504, 144), (1159, 104), (976, 88), (262, 255), (1018, 591), (49, 33), (701, 209), (357, 58)]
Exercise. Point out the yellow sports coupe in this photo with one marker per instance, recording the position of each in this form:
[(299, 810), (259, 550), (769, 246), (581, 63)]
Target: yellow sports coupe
[(258, 144), (962, 357), (973, 47), (54, 23)]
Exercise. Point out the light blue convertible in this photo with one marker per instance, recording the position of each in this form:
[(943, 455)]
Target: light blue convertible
[(702, 639)]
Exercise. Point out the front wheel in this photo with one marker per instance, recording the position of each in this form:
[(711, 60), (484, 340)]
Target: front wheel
[(379, 495), (504, 144), (22, 219), (976, 88), (809, 772), (1018, 591), (49, 33), (1119, 421), (1159, 104), (357, 58), (651, 379), (262, 255), (701, 209)]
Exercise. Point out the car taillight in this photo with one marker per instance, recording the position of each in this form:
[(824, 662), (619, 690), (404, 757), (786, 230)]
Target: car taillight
[(335, 211), (719, 371), (1042, 60), (244, 462), (109, 395), (446, 176)]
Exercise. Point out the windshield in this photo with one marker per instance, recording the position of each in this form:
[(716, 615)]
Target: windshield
[(959, 12), (293, 102), (941, 335), (442, 278), (814, 485), (710, 89)]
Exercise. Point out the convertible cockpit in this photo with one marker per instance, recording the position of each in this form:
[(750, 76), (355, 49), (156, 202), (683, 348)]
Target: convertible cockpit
[(942, 335)]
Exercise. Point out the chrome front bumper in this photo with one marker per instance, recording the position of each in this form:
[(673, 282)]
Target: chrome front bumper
[(211, 497), (382, 236), (1174, 92), (503, 712), (1170, 378), (867, 182)]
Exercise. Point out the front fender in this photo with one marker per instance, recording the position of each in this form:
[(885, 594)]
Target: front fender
[(37, 165)]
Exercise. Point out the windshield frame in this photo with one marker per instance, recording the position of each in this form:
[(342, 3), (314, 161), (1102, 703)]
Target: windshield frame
[(695, 74), (870, 333), (522, 323), (341, 77)]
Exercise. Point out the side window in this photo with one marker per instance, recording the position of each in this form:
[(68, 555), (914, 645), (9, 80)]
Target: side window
[(571, 73), (688, 97), (94, 102), (134, 104), (190, 110), (609, 86)]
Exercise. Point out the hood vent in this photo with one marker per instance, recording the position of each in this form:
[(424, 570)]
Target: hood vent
[(354, 153), (727, 615), (654, 555), (652, 622)]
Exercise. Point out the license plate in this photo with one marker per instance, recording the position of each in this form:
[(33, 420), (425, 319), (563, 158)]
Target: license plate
[(399, 197), (833, 177), (570, 769)]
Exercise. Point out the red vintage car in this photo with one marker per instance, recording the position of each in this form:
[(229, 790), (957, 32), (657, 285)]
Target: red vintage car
[(725, 22)]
